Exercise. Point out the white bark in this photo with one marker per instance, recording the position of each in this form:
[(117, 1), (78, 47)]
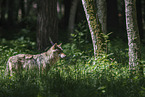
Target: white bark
[(133, 34), (90, 27)]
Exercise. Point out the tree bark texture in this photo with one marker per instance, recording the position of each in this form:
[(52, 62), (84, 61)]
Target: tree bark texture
[(94, 25), (47, 23), (102, 14), (133, 35)]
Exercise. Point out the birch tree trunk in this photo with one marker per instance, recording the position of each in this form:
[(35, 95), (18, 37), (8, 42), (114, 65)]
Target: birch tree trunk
[(94, 25), (133, 36), (102, 14)]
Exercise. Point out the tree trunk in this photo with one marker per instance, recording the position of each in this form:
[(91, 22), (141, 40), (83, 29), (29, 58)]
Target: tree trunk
[(29, 5), (112, 16), (3, 11), (22, 6), (144, 15), (47, 23), (10, 12), (72, 16), (133, 36), (63, 24), (94, 25), (13, 6), (122, 22), (139, 17), (102, 14)]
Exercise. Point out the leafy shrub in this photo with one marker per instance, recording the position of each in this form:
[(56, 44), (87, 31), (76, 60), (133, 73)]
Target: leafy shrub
[(120, 51), (13, 47)]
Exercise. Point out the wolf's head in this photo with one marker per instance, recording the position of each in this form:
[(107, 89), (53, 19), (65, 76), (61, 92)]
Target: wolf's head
[(57, 50)]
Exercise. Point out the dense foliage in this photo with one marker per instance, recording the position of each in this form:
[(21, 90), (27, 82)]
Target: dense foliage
[(74, 76)]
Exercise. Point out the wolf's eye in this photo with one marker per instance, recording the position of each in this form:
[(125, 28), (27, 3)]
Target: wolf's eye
[(57, 51)]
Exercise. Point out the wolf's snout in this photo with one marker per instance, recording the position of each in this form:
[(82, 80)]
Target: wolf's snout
[(62, 55)]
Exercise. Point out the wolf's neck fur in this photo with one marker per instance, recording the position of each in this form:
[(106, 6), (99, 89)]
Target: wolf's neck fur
[(50, 56)]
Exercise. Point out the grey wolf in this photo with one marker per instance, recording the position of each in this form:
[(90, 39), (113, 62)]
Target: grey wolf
[(41, 61)]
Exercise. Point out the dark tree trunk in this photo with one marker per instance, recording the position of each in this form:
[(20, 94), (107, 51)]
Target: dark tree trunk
[(139, 17), (10, 12), (13, 6), (80, 15), (112, 16), (47, 23), (72, 16), (102, 14), (3, 11), (28, 6), (22, 4), (63, 24), (144, 13), (122, 22)]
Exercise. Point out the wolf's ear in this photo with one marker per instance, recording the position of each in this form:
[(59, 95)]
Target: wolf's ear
[(60, 45), (54, 46)]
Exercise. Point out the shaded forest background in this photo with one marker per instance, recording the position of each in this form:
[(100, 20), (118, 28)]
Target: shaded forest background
[(19, 15)]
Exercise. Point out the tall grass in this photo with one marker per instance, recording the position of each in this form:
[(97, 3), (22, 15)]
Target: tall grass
[(104, 79), (74, 76)]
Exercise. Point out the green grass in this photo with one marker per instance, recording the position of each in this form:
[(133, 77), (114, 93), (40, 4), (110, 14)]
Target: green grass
[(74, 76)]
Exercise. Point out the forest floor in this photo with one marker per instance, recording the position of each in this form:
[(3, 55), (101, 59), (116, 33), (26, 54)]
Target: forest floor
[(74, 76)]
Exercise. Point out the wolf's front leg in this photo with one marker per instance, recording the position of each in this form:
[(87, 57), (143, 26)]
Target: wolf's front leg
[(10, 69)]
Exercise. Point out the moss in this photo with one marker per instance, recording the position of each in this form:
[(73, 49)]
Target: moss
[(96, 26)]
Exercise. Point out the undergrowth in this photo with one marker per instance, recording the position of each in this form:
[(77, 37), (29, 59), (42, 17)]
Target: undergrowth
[(73, 76)]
